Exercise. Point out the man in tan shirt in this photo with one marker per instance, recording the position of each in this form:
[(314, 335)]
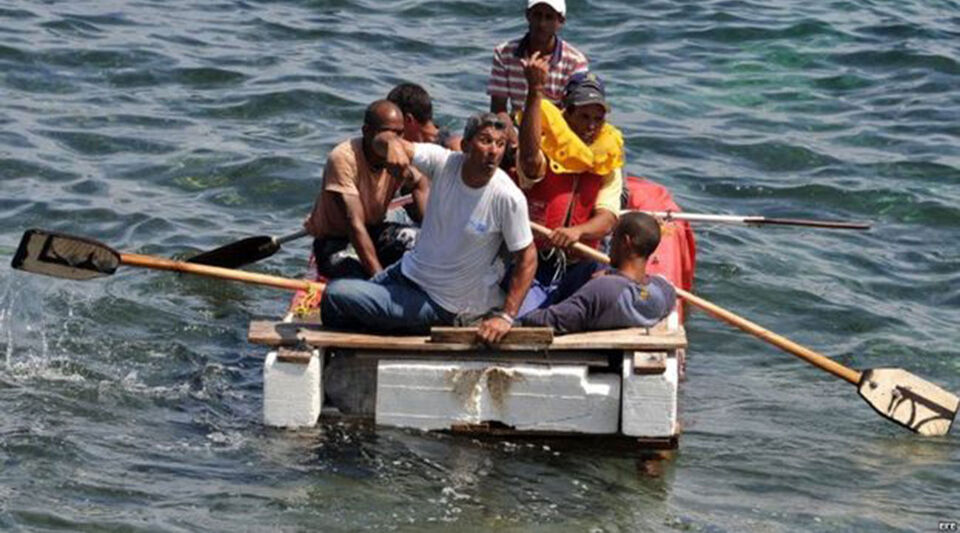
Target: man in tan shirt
[(353, 201)]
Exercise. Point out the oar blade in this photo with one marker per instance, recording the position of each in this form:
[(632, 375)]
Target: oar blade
[(64, 256), (910, 401), (238, 254), (830, 224)]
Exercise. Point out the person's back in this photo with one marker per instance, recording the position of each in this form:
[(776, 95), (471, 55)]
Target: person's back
[(611, 301), (625, 297), (507, 83)]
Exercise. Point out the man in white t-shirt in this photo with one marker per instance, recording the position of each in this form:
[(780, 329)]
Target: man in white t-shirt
[(454, 270)]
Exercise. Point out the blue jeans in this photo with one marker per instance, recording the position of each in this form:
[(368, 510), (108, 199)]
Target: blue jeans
[(388, 303)]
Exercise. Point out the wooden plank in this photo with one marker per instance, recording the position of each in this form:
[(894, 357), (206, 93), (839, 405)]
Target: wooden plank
[(646, 363), (287, 355), (518, 335), (291, 334)]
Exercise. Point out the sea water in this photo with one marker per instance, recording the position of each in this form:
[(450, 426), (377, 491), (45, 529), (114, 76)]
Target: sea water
[(133, 402)]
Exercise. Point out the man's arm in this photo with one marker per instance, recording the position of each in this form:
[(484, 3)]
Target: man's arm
[(396, 151), (416, 185), (493, 329), (605, 214), (531, 159), (359, 237), (421, 193), (569, 316), (599, 225)]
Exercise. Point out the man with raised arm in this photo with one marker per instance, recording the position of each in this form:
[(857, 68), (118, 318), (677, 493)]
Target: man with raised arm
[(507, 82), (455, 268), (626, 296), (569, 167), (355, 195)]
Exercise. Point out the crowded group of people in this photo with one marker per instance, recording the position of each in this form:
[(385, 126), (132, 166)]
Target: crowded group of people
[(543, 153)]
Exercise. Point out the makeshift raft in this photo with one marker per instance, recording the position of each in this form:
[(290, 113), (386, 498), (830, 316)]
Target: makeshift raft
[(620, 384)]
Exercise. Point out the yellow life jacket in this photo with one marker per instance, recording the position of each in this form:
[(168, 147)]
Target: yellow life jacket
[(568, 154)]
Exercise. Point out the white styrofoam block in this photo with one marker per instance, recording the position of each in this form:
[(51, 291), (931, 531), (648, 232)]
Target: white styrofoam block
[(432, 395), (650, 401), (673, 320), (292, 393)]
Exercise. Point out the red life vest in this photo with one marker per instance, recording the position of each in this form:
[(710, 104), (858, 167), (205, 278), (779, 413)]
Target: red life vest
[(676, 257), (563, 200)]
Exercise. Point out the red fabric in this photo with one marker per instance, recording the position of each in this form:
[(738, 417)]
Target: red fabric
[(676, 257), (556, 194)]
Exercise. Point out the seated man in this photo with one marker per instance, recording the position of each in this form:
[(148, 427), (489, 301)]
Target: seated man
[(454, 270), (569, 169), (624, 297), (355, 195), (507, 83)]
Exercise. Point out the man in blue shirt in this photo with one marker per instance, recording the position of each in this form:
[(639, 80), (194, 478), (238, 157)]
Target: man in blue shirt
[(625, 296)]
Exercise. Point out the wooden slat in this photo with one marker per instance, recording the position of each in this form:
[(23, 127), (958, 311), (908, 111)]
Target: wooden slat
[(517, 335), (646, 363), (286, 355), (290, 334)]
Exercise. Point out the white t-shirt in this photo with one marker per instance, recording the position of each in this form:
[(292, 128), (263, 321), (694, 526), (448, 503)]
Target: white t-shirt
[(456, 257)]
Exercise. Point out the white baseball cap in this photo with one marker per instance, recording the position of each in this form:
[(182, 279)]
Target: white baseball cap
[(560, 6)]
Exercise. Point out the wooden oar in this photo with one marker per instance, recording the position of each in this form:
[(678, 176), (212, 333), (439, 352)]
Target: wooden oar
[(896, 394), (253, 249), (757, 220), (68, 256)]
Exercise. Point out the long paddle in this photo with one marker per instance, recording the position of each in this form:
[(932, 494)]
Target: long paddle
[(68, 256), (252, 249), (758, 220), (245, 251), (896, 394)]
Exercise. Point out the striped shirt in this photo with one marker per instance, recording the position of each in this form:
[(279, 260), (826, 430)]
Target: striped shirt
[(506, 76)]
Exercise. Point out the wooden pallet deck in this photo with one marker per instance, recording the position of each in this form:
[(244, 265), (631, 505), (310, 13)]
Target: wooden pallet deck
[(289, 334)]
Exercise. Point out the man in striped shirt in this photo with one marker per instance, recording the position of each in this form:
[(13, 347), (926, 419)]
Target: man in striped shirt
[(545, 18)]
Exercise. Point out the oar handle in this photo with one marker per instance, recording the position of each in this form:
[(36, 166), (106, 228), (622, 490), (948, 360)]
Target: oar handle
[(785, 344), (160, 263), (290, 237), (731, 318), (583, 249)]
